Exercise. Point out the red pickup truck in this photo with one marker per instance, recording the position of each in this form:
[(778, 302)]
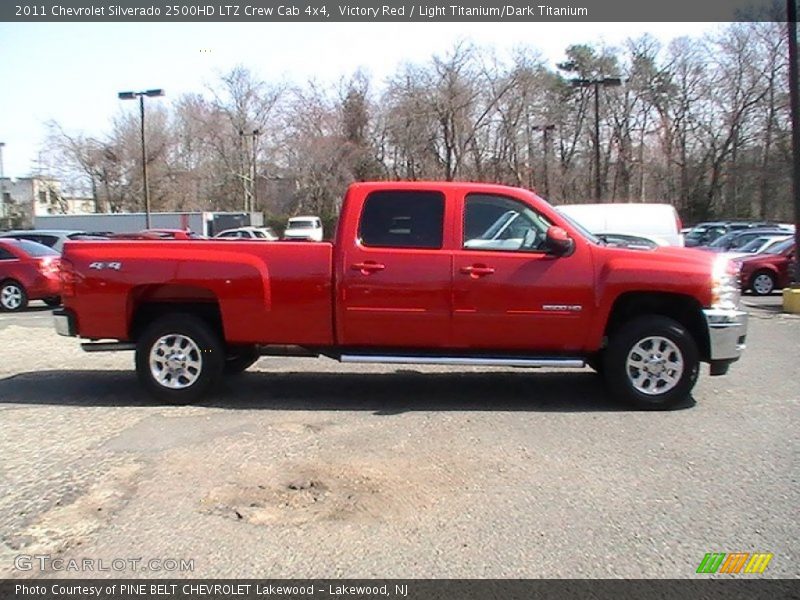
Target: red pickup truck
[(420, 272)]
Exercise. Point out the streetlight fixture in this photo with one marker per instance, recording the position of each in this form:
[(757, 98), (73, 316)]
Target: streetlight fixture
[(141, 96), (253, 181), (596, 83), (545, 129)]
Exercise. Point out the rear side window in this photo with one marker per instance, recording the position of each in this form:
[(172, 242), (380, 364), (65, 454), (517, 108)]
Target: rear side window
[(36, 250), (47, 240), (6, 254), (402, 219)]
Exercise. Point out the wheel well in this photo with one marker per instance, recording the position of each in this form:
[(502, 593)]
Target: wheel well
[(147, 312), (684, 309)]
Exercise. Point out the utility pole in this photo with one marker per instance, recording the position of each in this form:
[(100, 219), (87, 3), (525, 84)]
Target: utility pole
[(545, 129), (254, 173), (596, 83), (794, 99)]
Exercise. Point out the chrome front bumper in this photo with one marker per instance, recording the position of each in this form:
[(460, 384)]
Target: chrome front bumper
[(727, 331)]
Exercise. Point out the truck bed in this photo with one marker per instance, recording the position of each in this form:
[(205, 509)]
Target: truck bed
[(267, 292)]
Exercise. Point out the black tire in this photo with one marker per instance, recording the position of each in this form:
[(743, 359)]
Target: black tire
[(640, 387), (762, 283), (204, 349), (13, 297), (240, 359), (53, 301)]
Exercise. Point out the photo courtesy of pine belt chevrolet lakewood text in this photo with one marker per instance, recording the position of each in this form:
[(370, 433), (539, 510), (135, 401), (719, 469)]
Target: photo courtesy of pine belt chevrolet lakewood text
[(422, 272)]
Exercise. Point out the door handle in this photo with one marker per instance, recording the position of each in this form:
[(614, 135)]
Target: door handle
[(476, 271), (368, 267)]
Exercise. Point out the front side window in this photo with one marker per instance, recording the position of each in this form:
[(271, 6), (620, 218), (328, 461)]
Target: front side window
[(499, 223), (403, 219)]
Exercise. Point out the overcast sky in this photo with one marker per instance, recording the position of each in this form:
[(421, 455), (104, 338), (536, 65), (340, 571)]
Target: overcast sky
[(72, 72)]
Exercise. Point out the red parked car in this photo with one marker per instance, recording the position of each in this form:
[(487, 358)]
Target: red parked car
[(769, 271), (28, 271), (158, 234)]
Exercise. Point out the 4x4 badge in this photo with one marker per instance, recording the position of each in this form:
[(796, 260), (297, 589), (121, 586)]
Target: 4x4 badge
[(106, 265)]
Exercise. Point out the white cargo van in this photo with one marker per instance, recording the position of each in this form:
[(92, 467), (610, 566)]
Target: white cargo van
[(660, 221)]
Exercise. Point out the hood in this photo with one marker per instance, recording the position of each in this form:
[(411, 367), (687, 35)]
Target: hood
[(671, 254)]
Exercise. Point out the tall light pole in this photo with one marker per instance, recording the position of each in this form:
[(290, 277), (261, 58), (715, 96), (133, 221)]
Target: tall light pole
[(253, 179), (596, 83), (140, 96), (545, 129)]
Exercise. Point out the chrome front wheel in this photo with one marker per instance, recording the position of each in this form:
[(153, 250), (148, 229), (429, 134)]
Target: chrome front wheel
[(651, 362), (654, 365)]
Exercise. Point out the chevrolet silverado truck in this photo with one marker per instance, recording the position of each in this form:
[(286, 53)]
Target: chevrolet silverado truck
[(419, 272)]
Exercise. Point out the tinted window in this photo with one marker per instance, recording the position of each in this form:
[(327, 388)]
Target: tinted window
[(47, 240), (403, 220), (301, 225), (6, 254), (498, 223), (36, 250), (780, 248)]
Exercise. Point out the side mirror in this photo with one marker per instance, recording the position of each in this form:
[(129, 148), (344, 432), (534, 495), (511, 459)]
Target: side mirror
[(559, 242)]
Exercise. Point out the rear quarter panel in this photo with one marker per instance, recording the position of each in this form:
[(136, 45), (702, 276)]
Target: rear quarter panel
[(267, 292)]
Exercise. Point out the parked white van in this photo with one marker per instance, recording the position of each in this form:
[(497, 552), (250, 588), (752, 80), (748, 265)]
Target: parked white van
[(303, 228), (659, 221)]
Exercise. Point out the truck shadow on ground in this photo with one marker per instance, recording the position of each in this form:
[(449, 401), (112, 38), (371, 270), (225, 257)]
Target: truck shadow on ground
[(389, 393)]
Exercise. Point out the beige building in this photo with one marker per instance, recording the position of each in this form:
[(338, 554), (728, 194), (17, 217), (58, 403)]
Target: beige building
[(27, 197)]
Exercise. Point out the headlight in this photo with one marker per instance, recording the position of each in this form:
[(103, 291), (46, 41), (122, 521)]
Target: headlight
[(725, 287)]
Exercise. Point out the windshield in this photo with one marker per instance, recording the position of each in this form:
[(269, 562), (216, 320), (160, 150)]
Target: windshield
[(300, 224), (697, 232), (36, 250), (755, 245), (780, 247), (723, 241)]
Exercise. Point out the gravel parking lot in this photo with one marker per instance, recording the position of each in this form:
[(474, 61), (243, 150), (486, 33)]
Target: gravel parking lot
[(308, 468)]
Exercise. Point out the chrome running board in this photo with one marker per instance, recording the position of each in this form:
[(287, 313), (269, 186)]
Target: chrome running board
[(474, 361)]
